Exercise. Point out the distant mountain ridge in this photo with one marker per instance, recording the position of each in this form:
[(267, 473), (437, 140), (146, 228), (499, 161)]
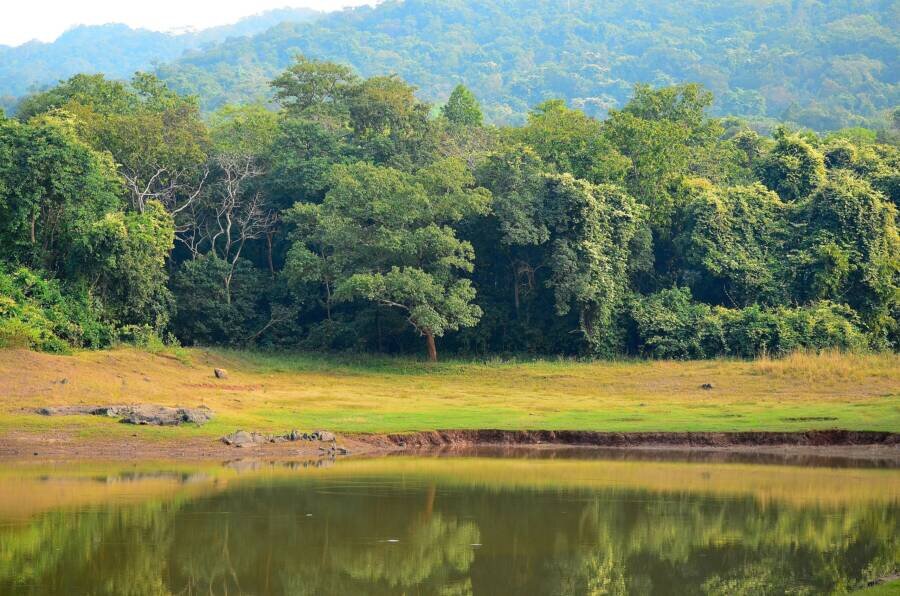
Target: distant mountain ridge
[(117, 50), (820, 63), (825, 64)]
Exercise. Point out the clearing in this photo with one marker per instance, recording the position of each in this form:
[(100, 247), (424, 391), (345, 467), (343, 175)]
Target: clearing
[(276, 393)]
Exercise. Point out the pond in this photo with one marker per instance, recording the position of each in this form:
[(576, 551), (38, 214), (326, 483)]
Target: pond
[(545, 523)]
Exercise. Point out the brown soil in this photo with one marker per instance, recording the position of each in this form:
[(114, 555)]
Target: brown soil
[(879, 448)]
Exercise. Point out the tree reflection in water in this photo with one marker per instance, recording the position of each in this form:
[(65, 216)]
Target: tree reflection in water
[(395, 534)]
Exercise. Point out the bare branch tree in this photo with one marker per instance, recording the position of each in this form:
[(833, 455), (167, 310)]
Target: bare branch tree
[(236, 218), (175, 189)]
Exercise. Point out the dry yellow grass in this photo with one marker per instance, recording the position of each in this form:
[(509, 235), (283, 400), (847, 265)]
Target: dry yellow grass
[(277, 393)]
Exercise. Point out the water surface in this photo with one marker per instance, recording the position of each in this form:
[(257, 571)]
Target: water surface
[(451, 526)]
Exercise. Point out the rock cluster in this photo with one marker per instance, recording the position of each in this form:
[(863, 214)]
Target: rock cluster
[(243, 438), (142, 414)]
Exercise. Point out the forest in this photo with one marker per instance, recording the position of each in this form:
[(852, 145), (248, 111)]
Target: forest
[(822, 64), (357, 217)]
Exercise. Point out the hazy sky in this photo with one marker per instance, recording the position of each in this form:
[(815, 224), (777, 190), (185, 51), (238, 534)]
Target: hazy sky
[(24, 20)]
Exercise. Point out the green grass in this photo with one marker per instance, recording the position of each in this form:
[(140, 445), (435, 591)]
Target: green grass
[(889, 589), (278, 392)]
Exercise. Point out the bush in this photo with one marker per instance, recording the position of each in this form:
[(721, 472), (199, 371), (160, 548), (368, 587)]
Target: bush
[(669, 324), (753, 331), (36, 313)]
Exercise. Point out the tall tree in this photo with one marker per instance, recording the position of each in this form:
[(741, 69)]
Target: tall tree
[(462, 108), (385, 236)]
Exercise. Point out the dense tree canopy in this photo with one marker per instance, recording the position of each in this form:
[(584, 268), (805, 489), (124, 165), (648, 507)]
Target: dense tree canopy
[(358, 217)]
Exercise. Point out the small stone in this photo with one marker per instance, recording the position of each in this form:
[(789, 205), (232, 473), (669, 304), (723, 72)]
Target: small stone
[(220, 373), (64, 381), (706, 386), (294, 436)]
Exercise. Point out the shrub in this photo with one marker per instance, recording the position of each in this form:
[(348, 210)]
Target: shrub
[(36, 313), (669, 324)]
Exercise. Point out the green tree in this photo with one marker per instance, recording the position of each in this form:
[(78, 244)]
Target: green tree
[(462, 108), (54, 186), (793, 168), (124, 256), (312, 87), (573, 142), (662, 131), (731, 243), (390, 125), (384, 236), (205, 315), (63, 212), (849, 252), (591, 227)]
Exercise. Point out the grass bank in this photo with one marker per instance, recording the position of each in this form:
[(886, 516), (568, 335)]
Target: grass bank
[(891, 588), (275, 393)]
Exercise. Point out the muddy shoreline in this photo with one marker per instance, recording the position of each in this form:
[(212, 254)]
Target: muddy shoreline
[(832, 447)]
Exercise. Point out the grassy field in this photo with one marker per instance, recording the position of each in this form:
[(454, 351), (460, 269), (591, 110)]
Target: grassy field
[(275, 393)]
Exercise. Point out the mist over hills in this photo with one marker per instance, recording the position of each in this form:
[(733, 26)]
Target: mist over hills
[(117, 50)]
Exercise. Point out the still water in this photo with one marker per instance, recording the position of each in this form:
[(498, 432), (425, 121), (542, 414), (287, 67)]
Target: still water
[(447, 525)]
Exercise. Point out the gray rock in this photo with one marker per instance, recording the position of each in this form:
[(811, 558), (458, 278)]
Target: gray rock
[(324, 436), (200, 415), (220, 373), (706, 386), (238, 438), (163, 416), (142, 414)]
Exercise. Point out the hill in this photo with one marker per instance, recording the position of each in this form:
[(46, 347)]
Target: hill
[(116, 50), (823, 64)]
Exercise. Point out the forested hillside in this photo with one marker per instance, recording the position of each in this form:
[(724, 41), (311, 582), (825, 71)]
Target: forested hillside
[(115, 50), (357, 217), (825, 64)]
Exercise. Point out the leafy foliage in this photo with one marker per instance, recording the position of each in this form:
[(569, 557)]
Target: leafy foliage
[(36, 313), (358, 217), (825, 65)]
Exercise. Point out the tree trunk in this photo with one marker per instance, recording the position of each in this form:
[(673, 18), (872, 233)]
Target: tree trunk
[(516, 291), (432, 349), (269, 254)]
